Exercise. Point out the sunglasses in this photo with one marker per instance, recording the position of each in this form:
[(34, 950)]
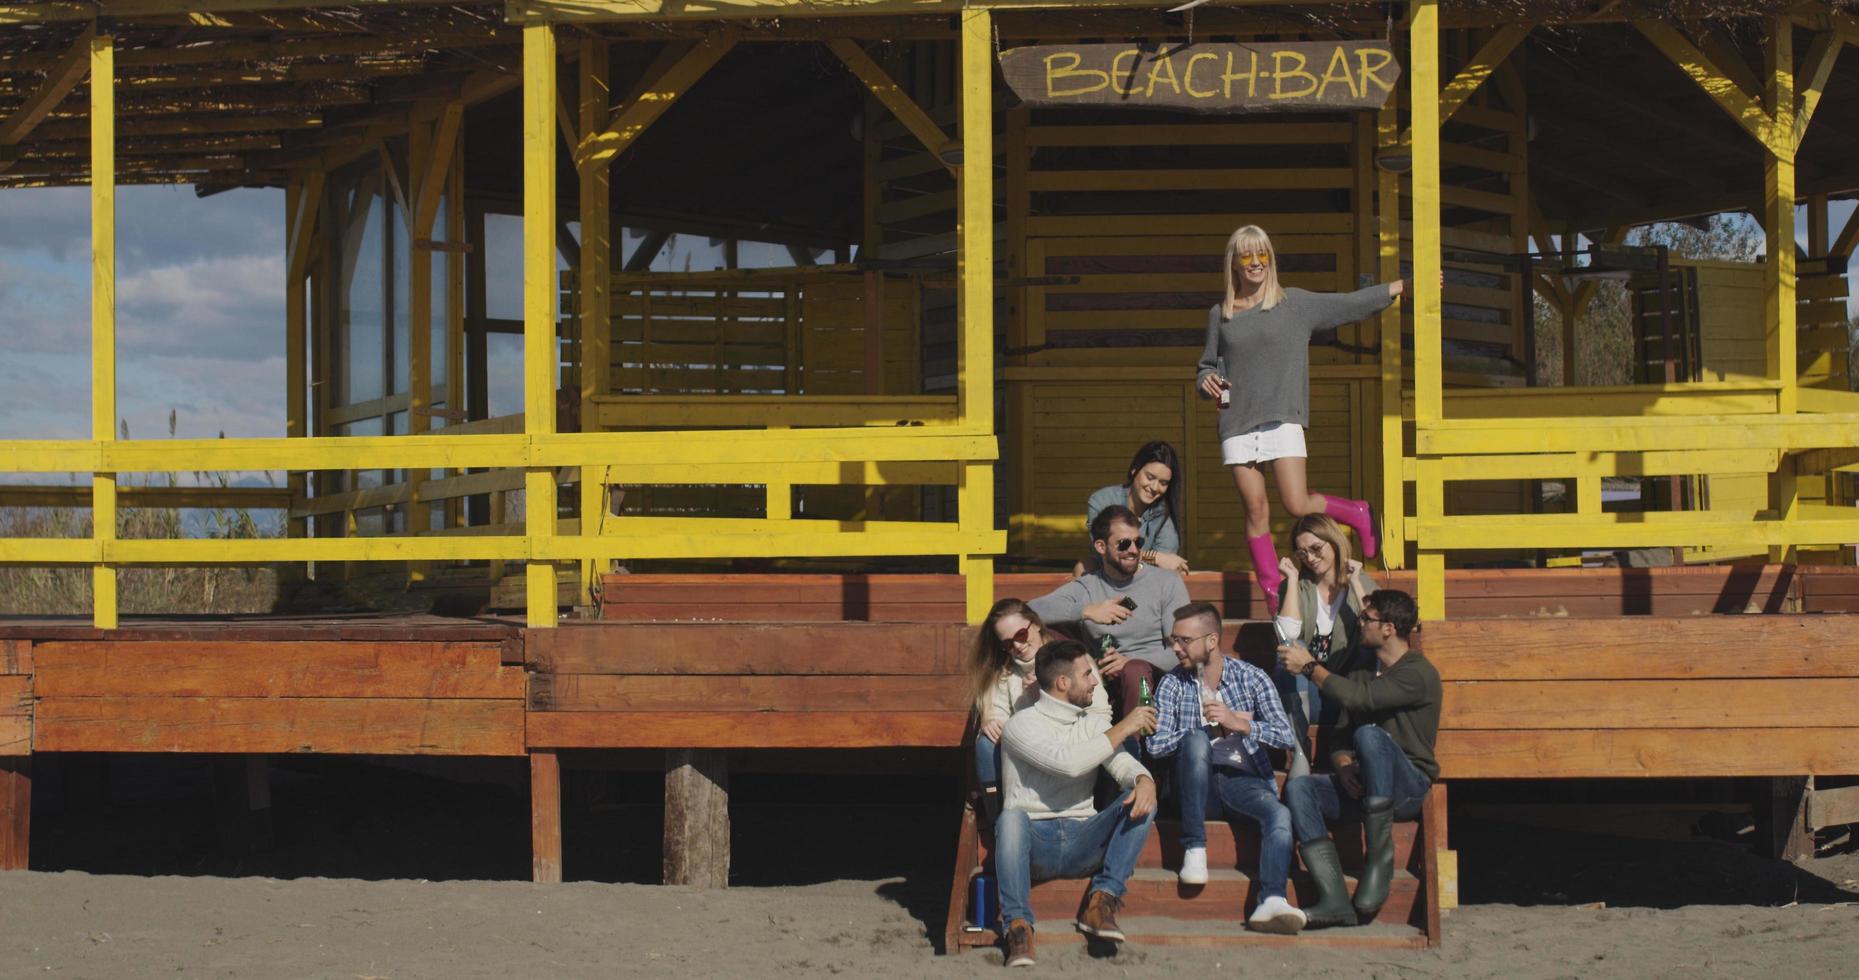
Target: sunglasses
[(1314, 551), (1015, 640), (1182, 641), (1128, 544), (1248, 258)]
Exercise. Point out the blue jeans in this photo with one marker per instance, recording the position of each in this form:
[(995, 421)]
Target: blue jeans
[(1386, 773), (1104, 847), (987, 760), (1200, 787)]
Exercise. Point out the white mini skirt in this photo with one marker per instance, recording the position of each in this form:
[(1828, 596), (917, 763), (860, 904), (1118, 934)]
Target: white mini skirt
[(1273, 440)]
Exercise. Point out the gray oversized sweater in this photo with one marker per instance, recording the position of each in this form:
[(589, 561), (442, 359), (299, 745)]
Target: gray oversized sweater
[(1267, 353), (1157, 592)]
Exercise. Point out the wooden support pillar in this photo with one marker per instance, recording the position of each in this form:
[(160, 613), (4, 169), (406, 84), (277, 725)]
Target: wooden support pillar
[(1779, 318), (697, 817), (975, 294), (1786, 835), (539, 344), (1429, 395), (15, 812), (545, 817), (1394, 533), (303, 203), (596, 285), (103, 313), (432, 148)]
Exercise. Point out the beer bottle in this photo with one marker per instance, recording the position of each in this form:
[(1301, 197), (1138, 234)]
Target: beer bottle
[(1144, 699)]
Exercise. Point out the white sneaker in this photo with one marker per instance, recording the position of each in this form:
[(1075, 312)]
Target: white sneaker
[(1194, 866), (1278, 916)]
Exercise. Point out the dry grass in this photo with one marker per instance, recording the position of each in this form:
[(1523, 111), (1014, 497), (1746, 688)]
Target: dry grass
[(140, 591)]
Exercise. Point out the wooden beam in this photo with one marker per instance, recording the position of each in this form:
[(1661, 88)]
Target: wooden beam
[(697, 818), (303, 217), (1816, 69), (1718, 46), (974, 296), (1741, 104), (545, 817), (539, 286), (600, 148), (1472, 76), (58, 11), (893, 97), (100, 52), (1848, 237), (594, 288), (63, 76), (439, 157), (15, 812)]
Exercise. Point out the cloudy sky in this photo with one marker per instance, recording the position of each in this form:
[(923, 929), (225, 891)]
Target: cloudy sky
[(200, 312)]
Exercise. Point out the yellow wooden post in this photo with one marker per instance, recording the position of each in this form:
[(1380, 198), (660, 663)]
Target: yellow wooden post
[(103, 313), (975, 295), (303, 202), (1388, 254), (1429, 396), (420, 150), (455, 312), (539, 308), (1778, 193), (596, 282)]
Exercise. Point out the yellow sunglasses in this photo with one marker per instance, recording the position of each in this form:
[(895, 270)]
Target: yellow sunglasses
[(1247, 258)]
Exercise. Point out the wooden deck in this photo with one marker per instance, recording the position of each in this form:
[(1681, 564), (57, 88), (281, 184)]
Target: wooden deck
[(1549, 674)]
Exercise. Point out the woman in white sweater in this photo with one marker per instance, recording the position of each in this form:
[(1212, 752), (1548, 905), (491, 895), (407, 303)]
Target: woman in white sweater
[(1001, 682)]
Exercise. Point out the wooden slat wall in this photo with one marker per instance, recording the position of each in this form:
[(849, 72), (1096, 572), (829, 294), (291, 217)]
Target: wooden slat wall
[(344, 696), (693, 685), (1716, 696), (15, 698)]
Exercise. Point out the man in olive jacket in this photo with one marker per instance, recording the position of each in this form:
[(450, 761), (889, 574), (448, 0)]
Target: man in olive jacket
[(1381, 753)]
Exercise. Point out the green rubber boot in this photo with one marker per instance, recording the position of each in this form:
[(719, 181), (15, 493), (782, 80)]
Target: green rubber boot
[(1378, 857), (1333, 908)]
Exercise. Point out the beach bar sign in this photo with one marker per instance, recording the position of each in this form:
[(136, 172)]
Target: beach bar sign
[(1258, 77)]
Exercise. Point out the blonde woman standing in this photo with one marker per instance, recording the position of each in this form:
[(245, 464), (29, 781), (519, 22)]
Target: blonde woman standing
[(1258, 352)]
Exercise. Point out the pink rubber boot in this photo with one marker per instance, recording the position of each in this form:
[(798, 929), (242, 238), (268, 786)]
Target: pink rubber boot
[(1265, 568), (1358, 515)]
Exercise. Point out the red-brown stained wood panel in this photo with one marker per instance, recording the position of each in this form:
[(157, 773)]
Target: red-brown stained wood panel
[(1646, 752), (374, 726), (736, 692), (1644, 648), (319, 669), (747, 729), (1807, 702), (15, 715), (747, 648)]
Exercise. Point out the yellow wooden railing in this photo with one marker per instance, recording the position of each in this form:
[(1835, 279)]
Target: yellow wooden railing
[(957, 440)]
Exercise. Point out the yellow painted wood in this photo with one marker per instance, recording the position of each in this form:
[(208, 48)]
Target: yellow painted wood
[(595, 284), (101, 52), (1779, 205), (1251, 178), (1607, 434), (1429, 506), (1816, 69), (876, 444), (1648, 530), (1393, 509), (1475, 71), (975, 296), (1423, 80), (1552, 466), (1742, 106), (539, 353), (893, 97), (303, 202), (757, 411), (601, 147)]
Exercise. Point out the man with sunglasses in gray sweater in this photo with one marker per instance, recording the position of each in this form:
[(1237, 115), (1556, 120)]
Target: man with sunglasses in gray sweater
[(1132, 603)]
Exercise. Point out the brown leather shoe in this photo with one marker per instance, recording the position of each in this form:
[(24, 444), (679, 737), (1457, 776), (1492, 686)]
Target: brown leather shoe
[(1020, 943), (1099, 917)]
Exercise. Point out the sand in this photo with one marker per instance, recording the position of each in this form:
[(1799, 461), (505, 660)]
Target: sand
[(71, 924)]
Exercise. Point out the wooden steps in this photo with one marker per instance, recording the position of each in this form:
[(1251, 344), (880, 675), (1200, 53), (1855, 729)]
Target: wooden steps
[(1159, 910)]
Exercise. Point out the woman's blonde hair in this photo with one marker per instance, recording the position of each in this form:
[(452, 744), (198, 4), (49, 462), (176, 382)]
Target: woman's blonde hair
[(1331, 533), (986, 659), (1252, 238)]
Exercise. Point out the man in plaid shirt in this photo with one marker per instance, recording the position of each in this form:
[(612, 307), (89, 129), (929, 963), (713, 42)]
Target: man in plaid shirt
[(1216, 714)]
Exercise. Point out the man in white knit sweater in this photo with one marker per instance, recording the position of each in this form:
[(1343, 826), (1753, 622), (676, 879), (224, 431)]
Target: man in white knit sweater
[(1050, 827)]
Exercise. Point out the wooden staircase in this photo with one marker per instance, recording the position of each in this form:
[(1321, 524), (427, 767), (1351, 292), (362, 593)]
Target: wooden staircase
[(1159, 910)]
